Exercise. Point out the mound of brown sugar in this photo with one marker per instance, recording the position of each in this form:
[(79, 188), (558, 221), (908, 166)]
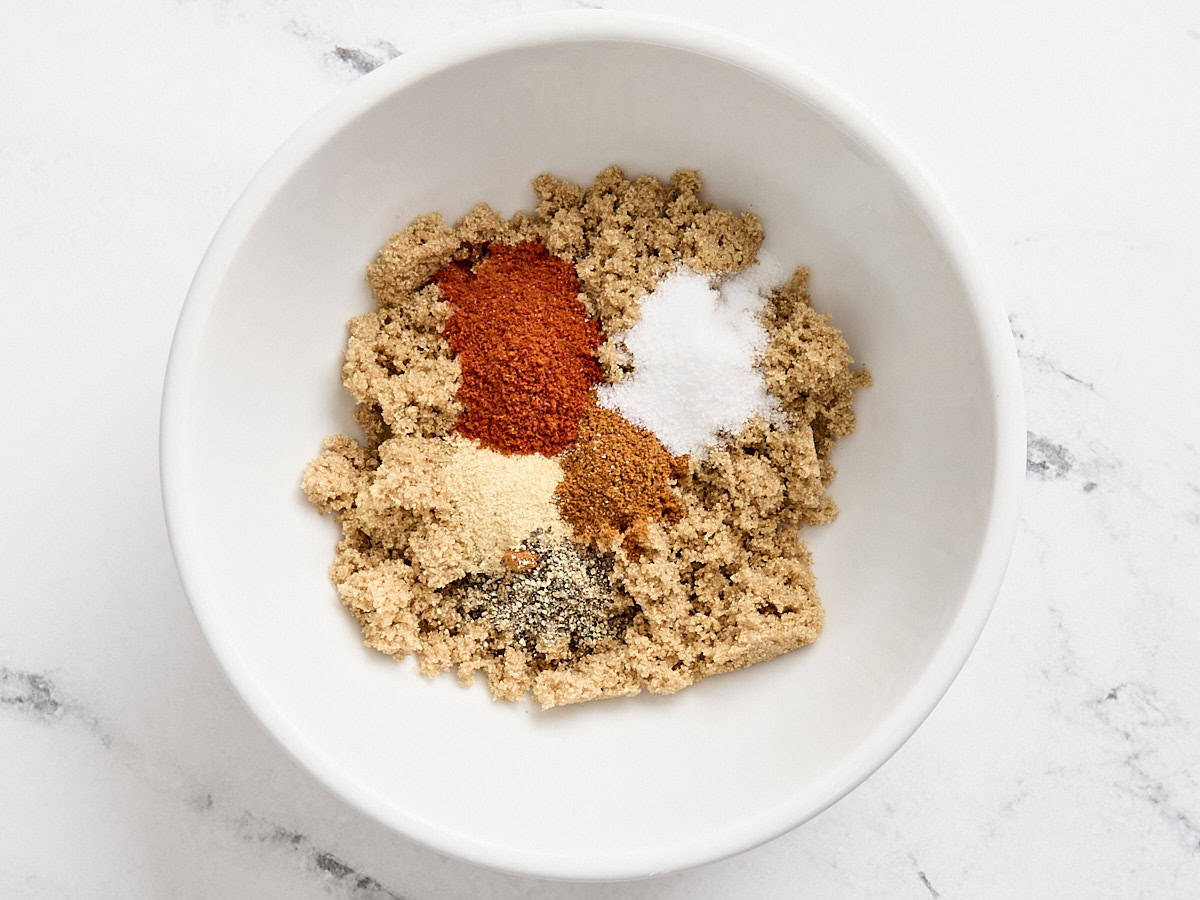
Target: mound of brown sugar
[(400, 368), (443, 557)]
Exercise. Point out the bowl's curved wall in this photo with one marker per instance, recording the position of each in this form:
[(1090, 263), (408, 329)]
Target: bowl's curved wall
[(620, 787)]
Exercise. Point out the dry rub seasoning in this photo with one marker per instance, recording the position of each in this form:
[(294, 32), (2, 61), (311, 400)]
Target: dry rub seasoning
[(611, 568)]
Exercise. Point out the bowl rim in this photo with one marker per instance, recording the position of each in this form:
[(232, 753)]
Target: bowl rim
[(998, 359)]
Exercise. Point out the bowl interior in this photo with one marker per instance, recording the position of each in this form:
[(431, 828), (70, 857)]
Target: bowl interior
[(625, 786)]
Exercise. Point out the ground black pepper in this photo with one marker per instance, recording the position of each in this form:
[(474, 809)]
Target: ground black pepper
[(558, 598)]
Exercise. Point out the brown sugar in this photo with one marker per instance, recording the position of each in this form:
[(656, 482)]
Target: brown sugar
[(409, 259), (401, 370)]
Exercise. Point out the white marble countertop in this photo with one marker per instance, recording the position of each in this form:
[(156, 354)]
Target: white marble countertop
[(1062, 763)]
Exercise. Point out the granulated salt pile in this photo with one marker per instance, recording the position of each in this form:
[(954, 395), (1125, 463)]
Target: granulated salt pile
[(695, 353)]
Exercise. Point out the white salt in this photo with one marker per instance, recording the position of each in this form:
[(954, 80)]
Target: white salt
[(694, 352)]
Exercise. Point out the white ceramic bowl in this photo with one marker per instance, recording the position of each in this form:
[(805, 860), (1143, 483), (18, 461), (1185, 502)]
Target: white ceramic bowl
[(928, 486)]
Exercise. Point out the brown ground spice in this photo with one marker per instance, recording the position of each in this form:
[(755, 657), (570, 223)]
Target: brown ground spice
[(616, 478)]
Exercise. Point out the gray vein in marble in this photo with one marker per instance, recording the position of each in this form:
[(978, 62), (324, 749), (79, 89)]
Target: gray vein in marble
[(1067, 659), (1155, 791), (923, 878), (201, 802), (1128, 707), (31, 694), (358, 59), (334, 871), (1131, 712), (1048, 459), (363, 61), (1045, 459), (1026, 354), (37, 697), (303, 32), (1128, 710), (1191, 516)]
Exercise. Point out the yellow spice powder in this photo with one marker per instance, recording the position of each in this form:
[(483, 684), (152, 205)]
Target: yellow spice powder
[(454, 507)]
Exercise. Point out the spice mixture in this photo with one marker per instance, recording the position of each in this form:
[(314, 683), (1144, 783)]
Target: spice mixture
[(592, 435)]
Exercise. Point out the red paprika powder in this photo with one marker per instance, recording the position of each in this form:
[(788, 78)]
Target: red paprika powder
[(526, 345)]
